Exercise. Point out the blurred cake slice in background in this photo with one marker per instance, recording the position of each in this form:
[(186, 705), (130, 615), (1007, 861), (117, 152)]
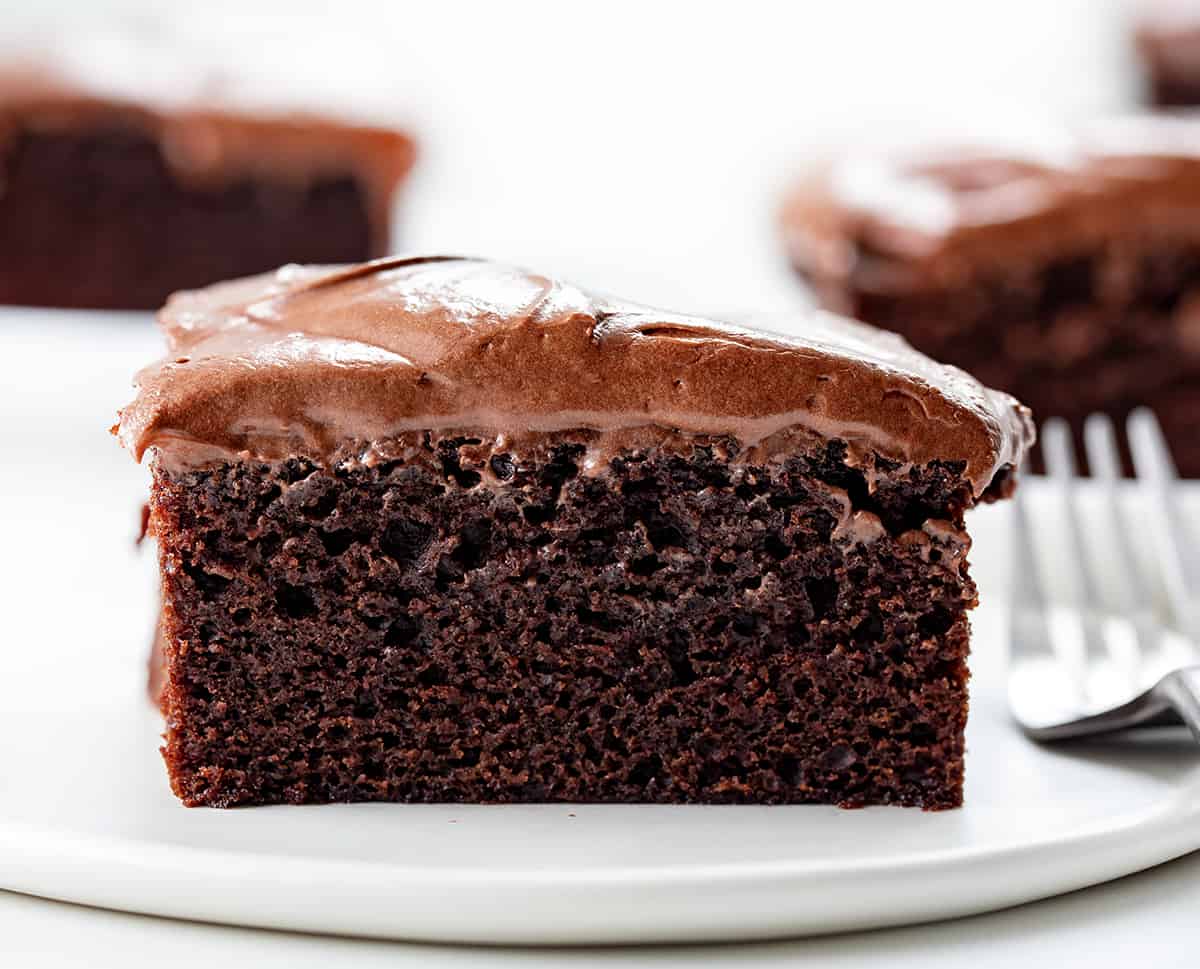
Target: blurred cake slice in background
[(1167, 38), (1064, 270), (130, 169)]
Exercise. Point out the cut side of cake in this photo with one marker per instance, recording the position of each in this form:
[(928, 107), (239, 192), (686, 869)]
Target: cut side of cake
[(438, 529), (1064, 270)]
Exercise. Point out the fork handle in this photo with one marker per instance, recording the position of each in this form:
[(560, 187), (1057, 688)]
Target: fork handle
[(1181, 689)]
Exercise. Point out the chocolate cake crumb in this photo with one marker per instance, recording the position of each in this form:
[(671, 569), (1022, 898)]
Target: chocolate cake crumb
[(675, 628)]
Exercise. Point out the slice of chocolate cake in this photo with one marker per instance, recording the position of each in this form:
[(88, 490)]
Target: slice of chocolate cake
[(1066, 271), (1167, 41), (436, 529), (115, 199)]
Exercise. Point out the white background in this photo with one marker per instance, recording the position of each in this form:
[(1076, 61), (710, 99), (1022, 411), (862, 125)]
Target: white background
[(639, 148), (636, 146)]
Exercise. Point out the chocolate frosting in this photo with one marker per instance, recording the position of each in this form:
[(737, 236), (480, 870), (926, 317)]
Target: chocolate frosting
[(931, 217), (315, 360)]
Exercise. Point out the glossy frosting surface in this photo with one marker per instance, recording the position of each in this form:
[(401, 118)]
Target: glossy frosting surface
[(315, 360)]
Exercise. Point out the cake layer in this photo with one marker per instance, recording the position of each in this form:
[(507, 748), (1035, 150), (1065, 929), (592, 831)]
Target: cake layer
[(328, 363), (474, 622), (94, 220)]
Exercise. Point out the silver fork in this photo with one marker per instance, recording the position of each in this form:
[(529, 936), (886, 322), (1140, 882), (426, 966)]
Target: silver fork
[(1124, 654)]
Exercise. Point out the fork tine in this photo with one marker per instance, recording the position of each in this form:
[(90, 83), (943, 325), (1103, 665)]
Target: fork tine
[(1099, 676), (1028, 589), (1044, 686), (1100, 443), (1145, 658), (1059, 455), (1028, 609), (1157, 475)]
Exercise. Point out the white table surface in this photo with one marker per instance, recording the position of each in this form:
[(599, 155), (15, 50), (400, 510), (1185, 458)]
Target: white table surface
[(641, 150)]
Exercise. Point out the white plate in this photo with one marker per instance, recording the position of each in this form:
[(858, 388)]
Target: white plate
[(85, 814)]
